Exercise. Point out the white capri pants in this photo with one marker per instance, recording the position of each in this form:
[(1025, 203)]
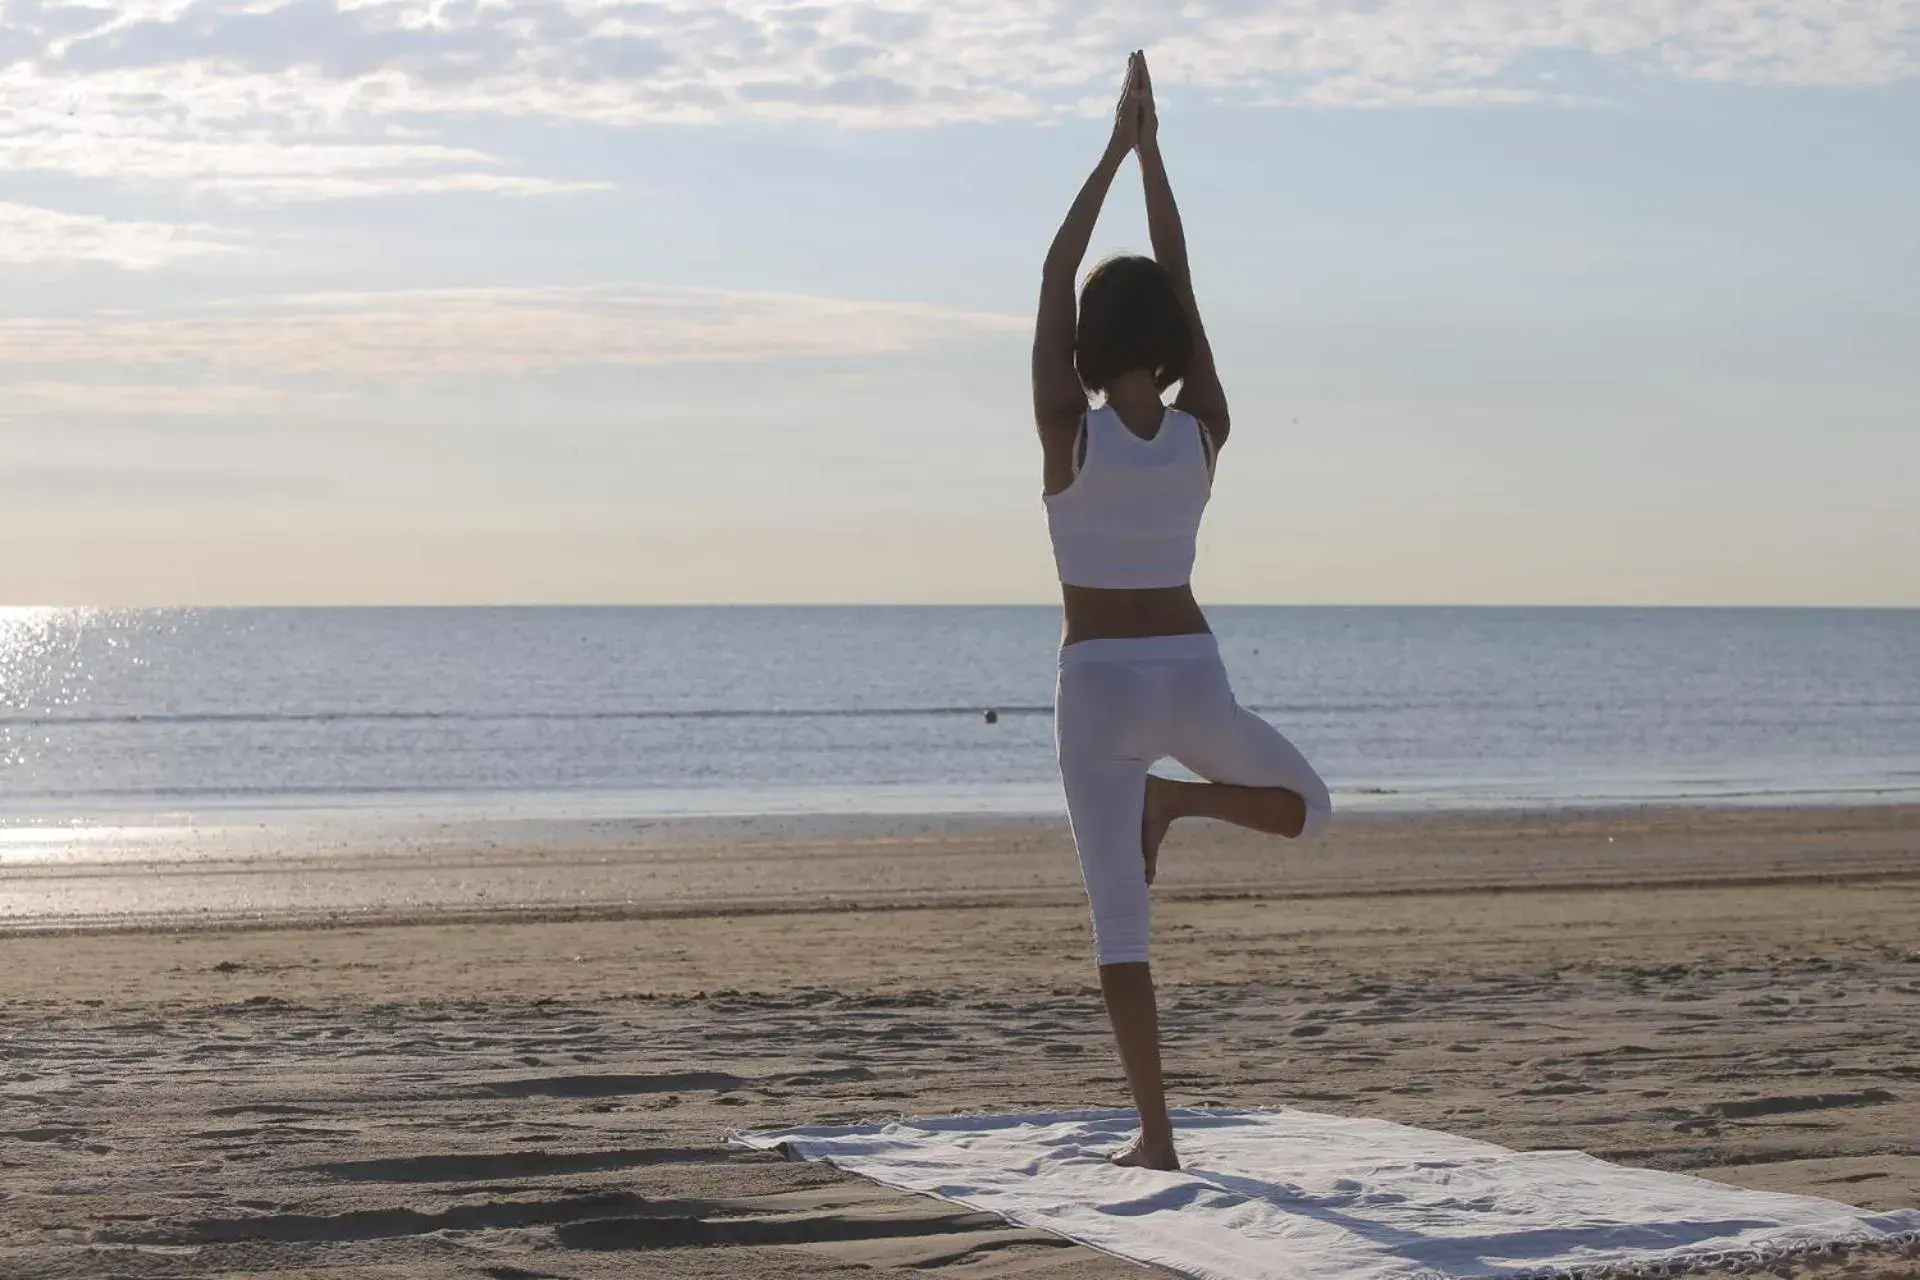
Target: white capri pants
[(1120, 705)]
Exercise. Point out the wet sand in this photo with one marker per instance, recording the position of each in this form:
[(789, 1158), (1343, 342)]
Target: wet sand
[(516, 1053)]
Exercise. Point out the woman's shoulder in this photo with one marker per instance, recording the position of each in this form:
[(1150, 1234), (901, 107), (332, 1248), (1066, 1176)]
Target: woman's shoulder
[(1063, 421), (1175, 414), (1209, 442)]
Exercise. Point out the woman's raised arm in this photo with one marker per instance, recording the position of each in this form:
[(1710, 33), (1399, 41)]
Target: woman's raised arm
[(1058, 397), (1200, 393)]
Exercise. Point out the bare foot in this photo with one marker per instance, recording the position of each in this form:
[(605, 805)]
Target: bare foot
[(1139, 1154), (1155, 817)]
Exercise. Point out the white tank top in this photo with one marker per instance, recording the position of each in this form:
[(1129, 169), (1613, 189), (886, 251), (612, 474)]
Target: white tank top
[(1131, 517)]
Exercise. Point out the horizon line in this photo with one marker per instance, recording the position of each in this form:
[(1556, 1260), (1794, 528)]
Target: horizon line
[(395, 605)]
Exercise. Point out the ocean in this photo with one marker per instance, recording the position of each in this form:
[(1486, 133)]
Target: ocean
[(175, 716)]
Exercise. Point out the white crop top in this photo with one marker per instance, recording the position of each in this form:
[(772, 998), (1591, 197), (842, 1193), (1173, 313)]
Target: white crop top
[(1131, 517)]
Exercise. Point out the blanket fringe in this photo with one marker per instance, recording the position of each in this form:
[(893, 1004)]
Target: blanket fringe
[(1734, 1260)]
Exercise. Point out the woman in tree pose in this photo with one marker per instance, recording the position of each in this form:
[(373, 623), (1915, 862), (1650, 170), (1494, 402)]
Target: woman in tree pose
[(1140, 673)]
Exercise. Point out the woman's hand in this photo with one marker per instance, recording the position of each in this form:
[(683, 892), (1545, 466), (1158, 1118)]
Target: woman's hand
[(1126, 114), (1146, 126)]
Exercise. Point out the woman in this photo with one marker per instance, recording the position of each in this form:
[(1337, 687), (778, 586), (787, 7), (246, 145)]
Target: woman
[(1140, 673)]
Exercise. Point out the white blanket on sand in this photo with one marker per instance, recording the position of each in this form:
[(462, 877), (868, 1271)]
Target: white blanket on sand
[(1284, 1193)]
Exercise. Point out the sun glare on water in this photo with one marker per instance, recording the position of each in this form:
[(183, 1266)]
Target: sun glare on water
[(32, 639)]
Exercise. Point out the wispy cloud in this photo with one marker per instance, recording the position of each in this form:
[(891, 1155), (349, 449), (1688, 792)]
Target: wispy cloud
[(317, 99), (258, 165), (31, 235), (1356, 52), (464, 332)]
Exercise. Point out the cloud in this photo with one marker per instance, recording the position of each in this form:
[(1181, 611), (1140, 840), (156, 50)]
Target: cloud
[(416, 334), (318, 99), (30, 235), (257, 166)]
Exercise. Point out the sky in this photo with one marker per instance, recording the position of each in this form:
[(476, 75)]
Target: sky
[(451, 301)]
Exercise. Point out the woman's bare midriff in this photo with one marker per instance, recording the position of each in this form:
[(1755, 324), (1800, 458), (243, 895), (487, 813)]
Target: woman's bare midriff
[(1094, 613)]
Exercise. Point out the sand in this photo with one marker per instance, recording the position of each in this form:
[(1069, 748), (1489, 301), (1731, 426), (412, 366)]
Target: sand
[(516, 1053)]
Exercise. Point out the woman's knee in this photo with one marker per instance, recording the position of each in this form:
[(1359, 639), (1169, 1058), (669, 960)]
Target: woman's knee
[(1114, 870), (1120, 939), (1106, 803), (1268, 755)]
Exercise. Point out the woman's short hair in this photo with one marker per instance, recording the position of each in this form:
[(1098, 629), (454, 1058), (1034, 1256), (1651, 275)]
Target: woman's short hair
[(1131, 318)]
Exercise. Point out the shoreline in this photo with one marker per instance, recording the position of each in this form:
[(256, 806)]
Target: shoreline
[(29, 827), (583, 870)]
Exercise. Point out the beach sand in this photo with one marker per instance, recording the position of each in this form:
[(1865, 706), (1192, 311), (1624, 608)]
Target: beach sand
[(515, 1053)]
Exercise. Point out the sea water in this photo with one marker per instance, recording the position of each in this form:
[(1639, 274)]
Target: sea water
[(178, 715)]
